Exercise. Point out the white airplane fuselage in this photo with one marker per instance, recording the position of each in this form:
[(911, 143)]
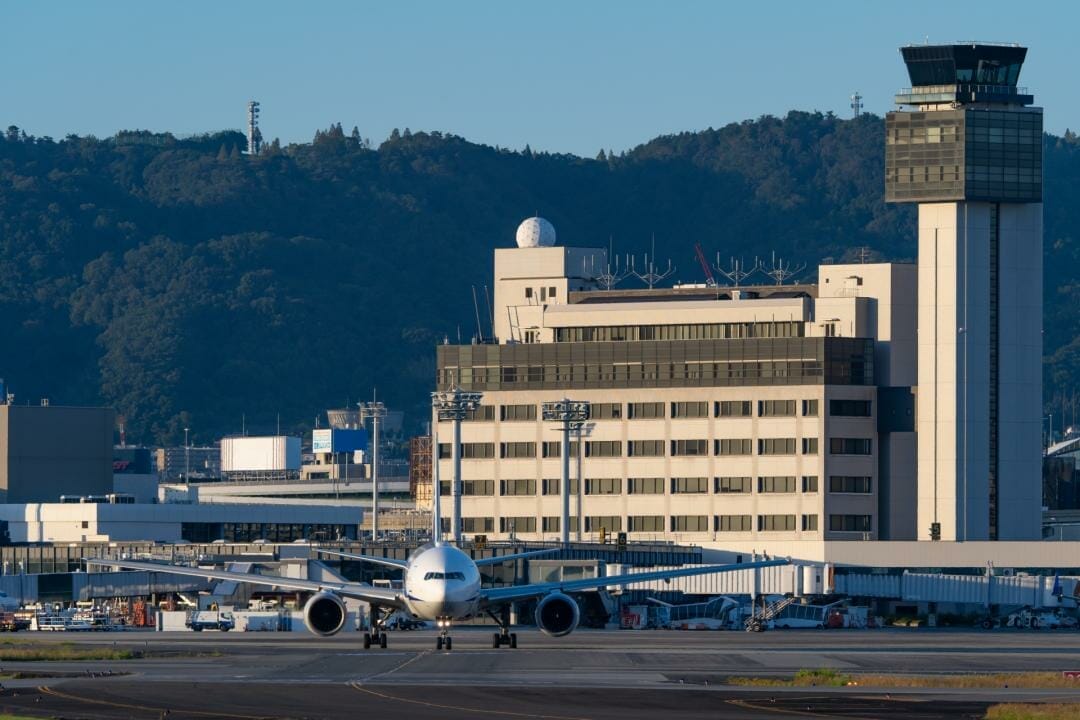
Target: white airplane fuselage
[(442, 582)]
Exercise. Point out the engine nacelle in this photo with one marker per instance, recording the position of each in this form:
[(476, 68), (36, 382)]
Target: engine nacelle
[(324, 614), (557, 614)]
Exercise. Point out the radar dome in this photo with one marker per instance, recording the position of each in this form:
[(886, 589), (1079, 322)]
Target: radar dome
[(535, 232)]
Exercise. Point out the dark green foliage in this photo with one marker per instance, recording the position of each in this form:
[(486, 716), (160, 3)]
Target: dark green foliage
[(187, 284)]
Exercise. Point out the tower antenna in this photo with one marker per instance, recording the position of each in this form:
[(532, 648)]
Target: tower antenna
[(737, 271), (651, 277), (254, 136), (781, 272), (608, 277), (856, 103)]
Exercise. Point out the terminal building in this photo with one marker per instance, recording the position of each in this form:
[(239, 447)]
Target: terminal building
[(883, 402)]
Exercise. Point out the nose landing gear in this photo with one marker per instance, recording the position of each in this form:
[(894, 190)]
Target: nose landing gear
[(444, 641)]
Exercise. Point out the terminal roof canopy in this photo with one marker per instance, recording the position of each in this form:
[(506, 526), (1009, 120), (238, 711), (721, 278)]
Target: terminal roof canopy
[(964, 64)]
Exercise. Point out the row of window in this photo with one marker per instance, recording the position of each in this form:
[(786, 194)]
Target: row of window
[(766, 484), (673, 523), (707, 331), (656, 448), (691, 409)]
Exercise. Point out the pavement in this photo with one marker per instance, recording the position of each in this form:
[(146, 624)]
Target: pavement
[(589, 674)]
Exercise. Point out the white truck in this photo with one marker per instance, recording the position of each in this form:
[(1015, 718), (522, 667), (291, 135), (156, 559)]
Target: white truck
[(199, 620)]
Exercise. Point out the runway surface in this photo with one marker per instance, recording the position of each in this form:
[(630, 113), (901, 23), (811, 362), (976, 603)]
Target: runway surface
[(590, 674)]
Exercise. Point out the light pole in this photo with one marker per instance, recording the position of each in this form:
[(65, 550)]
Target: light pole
[(570, 413), (454, 404), (375, 411), (187, 458)]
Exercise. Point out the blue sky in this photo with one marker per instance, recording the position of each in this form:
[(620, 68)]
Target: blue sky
[(560, 76)]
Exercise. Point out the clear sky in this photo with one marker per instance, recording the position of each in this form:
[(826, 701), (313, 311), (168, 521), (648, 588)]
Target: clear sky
[(565, 76)]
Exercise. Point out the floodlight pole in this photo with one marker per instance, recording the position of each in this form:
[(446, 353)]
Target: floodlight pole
[(572, 413), (375, 411), (454, 404)]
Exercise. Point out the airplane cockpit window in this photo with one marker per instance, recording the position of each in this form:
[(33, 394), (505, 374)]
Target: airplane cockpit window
[(444, 576), (434, 576), (455, 576)]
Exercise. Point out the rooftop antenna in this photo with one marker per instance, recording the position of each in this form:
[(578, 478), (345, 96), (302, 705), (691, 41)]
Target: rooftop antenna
[(476, 309), (121, 423), (856, 103), (254, 136), (780, 272), (737, 271), (864, 254), (651, 277), (608, 277), (491, 320)]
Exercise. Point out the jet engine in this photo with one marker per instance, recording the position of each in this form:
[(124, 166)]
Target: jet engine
[(557, 614), (324, 614)]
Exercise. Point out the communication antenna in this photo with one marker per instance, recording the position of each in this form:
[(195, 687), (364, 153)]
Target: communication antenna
[(609, 277), (856, 103), (864, 254), (781, 272), (121, 423), (491, 319), (651, 277), (254, 136), (737, 271), (476, 309)]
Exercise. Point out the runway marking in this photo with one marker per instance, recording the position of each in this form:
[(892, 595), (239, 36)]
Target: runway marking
[(789, 711), (483, 711), (414, 658), (45, 690)]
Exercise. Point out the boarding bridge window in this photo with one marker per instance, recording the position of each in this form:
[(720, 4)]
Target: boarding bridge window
[(689, 447), (776, 446), (850, 446), (733, 446), (595, 523), (517, 524), (689, 409), (849, 408), (603, 448), (689, 485), (850, 523), (859, 484), (733, 523), (809, 483), (689, 523), (517, 413), (775, 523), (645, 523), (478, 524), (809, 523), (726, 485), (645, 486), (603, 486), (605, 411), (809, 446), (733, 408), (511, 450), (523, 486), (646, 411), (478, 488), (646, 448), (810, 408), (776, 408), (776, 484), (551, 486)]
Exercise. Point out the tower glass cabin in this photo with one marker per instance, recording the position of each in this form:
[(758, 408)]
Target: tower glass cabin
[(966, 145)]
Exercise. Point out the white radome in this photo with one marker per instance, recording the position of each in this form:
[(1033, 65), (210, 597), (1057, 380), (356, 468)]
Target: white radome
[(535, 232)]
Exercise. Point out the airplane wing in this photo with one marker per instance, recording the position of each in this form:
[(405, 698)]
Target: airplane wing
[(515, 556), (389, 562), (366, 593), (497, 596)]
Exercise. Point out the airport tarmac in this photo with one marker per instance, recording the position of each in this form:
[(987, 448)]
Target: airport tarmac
[(589, 674)]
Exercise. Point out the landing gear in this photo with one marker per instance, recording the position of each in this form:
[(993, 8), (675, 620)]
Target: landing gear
[(504, 636), (377, 636), (443, 642)]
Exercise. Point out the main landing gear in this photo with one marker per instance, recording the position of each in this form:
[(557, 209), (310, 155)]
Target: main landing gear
[(377, 635), (444, 641), (504, 636)]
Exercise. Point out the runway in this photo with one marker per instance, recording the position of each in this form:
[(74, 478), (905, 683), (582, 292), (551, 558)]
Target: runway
[(590, 674)]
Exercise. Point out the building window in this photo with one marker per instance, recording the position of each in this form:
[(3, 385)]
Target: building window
[(478, 487), (605, 411), (776, 484), (733, 523), (524, 486), (809, 483), (553, 448), (646, 448), (850, 446), (517, 413), (510, 450), (646, 411), (517, 524), (733, 446), (603, 448), (733, 485), (469, 451), (551, 523), (775, 523), (809, 523), (645, 486), (551, 293), (687, 485), (611, 523), (689, 409), (551, 486), (849, 408), (776, 446), (689, 447), (809, 446), (85, 524), (850, 523), (776, 408), (480, 414), (528, 293), (645, 523), (603, 486), (733, 408), (810, 408), (477, 524), (850, 484), (690, 523)]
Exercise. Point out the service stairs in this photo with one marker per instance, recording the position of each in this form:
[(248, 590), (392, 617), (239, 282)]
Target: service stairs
[(768, 613)]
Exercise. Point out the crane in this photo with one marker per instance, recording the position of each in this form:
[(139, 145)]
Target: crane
[(710, 281)]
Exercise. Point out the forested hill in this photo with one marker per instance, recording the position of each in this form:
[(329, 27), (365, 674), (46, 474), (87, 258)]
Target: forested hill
[(189, 285)]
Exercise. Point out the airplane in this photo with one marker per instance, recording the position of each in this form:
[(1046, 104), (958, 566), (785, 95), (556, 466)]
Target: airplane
[(441, 584)]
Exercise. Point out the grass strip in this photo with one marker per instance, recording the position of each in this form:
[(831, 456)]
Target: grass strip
[(1033, 711), (833, 678), (63, 651)]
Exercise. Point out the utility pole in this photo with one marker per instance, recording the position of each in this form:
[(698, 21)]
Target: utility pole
[(571, 413), (187, 458), (454, 404), (375, 411)]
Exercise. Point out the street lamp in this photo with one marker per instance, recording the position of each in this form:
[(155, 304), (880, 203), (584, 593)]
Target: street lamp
[(572, 413), (187, 458), (453, 404), (376, 411)]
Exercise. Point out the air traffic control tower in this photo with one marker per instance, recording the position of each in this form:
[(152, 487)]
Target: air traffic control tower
[(966, 145)]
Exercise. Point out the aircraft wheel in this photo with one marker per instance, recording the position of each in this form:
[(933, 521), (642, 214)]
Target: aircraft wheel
[(367, 641), (449, 644), (382, 640), (438, 643), (513, 641), (495, 640)]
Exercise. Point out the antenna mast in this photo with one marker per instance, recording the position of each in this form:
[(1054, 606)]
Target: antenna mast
[(780, 272), (254, 136), (651, 277), (738, 271), (856, 103)]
